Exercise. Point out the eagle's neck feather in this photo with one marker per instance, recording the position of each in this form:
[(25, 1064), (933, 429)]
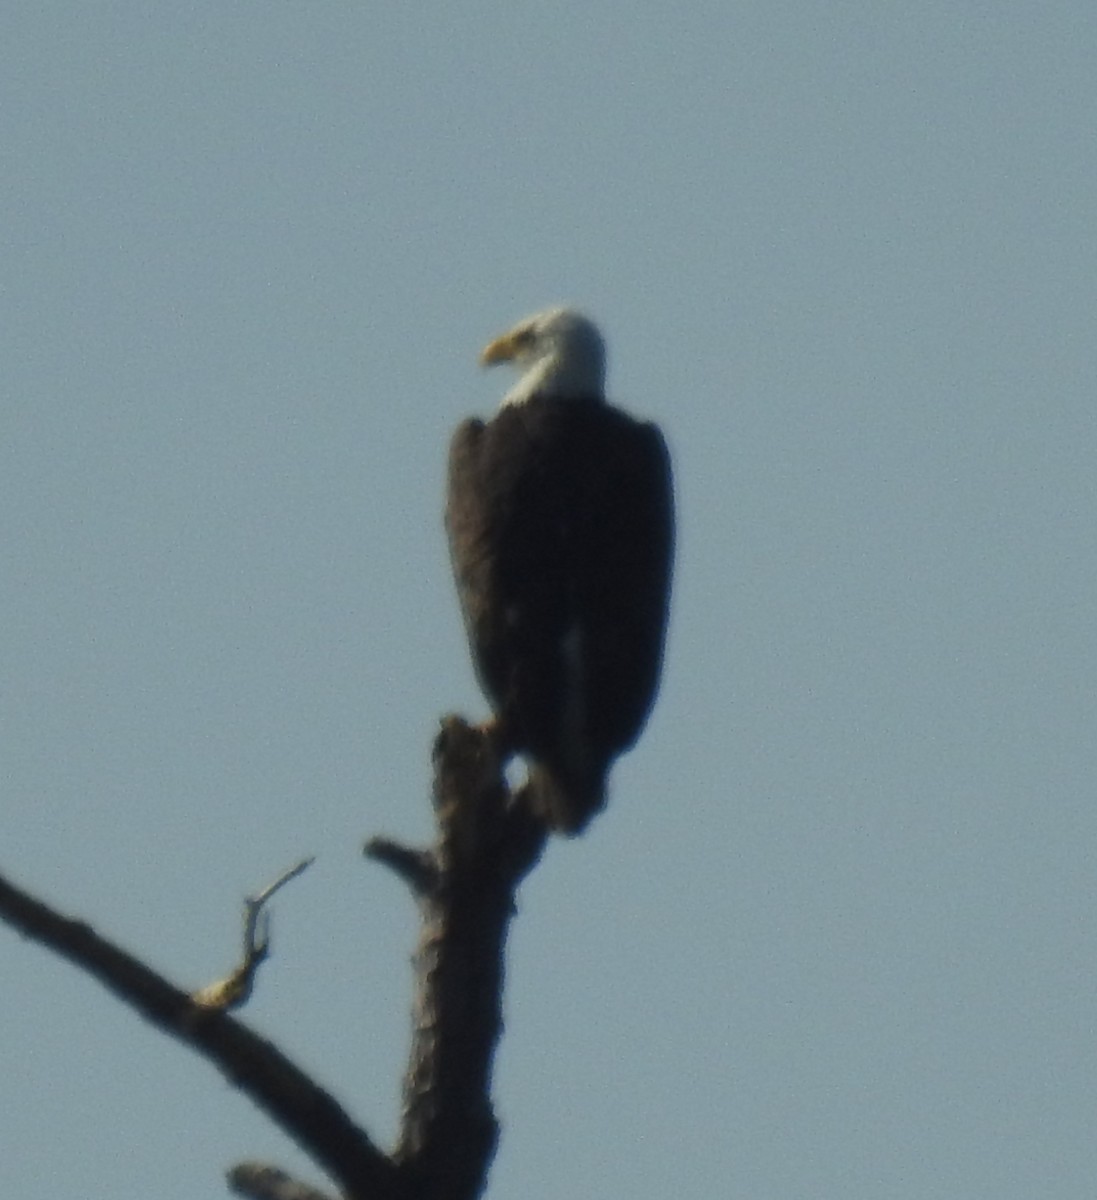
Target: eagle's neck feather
[(561, 380)]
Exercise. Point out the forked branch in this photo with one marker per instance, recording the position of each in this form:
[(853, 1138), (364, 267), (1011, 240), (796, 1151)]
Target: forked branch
[(312, 1117), (488, 839)]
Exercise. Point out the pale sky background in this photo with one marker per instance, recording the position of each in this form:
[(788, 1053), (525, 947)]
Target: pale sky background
[(834, 938)]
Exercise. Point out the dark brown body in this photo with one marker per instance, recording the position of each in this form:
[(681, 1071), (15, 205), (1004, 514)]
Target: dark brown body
[(560, 521)]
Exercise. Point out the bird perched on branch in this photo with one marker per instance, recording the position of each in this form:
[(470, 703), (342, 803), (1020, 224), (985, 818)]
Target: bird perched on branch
[(560, 519)]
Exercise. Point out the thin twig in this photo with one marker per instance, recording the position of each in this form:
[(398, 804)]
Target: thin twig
[(417, 868), (235, 989)]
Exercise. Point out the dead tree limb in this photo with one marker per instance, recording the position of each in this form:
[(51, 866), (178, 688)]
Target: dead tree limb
[(488, 839), (312, 1117), (258, 1181)]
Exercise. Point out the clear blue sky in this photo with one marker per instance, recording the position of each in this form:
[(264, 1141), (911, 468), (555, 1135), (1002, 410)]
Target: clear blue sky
[(834, 938)]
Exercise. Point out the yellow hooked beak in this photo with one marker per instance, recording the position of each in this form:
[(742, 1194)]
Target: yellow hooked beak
[(505, 348)]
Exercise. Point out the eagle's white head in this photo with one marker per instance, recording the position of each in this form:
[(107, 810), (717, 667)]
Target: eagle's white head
[(560, 353)]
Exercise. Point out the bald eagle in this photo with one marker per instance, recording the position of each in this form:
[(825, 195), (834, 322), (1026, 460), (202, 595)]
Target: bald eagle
[(560, 520)]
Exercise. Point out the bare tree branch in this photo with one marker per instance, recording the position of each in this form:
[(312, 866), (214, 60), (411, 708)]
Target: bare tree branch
[(417, 868), (260, 1182), (488, 839), (312, 1117)]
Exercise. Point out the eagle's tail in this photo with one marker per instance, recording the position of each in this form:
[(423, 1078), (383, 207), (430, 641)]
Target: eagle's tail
[(565, 800)]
